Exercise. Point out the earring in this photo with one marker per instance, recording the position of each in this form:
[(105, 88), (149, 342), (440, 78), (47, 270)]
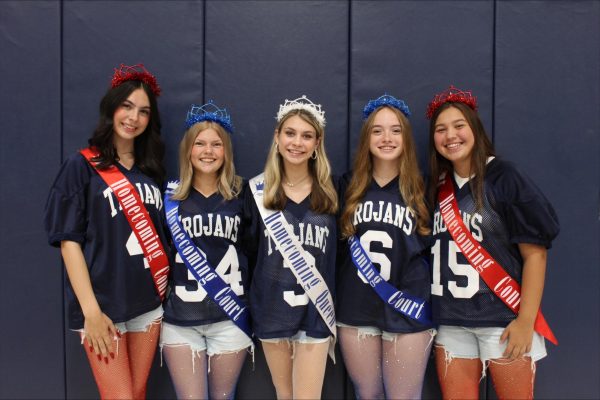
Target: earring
[(314, 155), (277, 147)]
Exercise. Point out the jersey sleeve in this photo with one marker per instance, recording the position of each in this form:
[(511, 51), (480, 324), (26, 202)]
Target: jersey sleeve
[(250, 226), (529, 216), (65, 212)]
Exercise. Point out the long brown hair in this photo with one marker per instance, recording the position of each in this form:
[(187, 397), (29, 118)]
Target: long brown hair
[(228, 183), (482, 149), (410, 180), (148, 147), (323, 196)]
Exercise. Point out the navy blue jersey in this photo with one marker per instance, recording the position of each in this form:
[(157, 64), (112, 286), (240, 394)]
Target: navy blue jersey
[(82, 208), (279, 306), (514, 211), (386, 228), (214, 225)]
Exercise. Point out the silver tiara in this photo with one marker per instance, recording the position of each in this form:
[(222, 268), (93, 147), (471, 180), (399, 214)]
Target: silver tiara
[(301, 103)]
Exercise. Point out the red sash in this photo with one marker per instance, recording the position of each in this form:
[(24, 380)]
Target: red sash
[(139, 220), (492, 273)]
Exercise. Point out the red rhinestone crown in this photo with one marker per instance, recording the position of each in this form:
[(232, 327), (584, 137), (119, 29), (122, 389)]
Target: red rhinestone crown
[(135, 73), (452, 94)]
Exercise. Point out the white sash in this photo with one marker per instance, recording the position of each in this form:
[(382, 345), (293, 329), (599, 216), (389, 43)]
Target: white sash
[(294, 256)]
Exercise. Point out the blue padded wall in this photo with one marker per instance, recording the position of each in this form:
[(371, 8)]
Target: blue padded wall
[(534, 65), (547, 118), (31, 346)]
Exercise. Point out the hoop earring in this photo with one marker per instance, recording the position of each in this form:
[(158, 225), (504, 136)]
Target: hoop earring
[(314, 155)]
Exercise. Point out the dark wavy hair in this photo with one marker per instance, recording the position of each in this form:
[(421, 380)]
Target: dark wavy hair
[(149, 149), (482, 149)]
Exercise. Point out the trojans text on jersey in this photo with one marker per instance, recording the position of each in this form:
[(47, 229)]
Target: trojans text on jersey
[(472, 222), (308, 235), (210, 224), (386, 212), (149, 194)]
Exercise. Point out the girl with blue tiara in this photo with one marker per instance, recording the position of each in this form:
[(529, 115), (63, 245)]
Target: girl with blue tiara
[(383, 278), (105, 212), (291, 211), (205, 332), (491, 231)]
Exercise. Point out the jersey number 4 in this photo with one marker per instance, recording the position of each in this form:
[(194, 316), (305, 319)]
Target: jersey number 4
[(471, 275)]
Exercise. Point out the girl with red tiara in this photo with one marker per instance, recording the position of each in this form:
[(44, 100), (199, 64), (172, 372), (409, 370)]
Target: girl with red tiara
[(385, 336), (105, 213), (491, 230), (291, 214), (204, 339)]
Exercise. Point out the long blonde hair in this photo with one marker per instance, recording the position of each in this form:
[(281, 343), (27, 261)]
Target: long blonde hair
[(410, 180), (323, 196), (228, 183)]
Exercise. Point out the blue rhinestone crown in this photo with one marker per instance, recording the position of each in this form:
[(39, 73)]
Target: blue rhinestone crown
[(385, 100), (208, 112)]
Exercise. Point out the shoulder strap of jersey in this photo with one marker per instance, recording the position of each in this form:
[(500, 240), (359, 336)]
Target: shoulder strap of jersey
[(410, 306), (138, 218), (195, 261), (294, 256), (492, 273)]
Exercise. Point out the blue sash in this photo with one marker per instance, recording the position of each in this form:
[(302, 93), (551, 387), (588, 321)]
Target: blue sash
[(205, 274), (410, 306)]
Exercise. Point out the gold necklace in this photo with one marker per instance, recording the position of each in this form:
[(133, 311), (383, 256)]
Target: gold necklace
[(290, 184)]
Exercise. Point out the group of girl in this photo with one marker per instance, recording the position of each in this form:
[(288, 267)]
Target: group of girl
[(297, 260)]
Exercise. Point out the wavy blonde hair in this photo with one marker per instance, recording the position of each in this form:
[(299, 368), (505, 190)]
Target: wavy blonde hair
[(228, 183), (410, 180), (323, 196)]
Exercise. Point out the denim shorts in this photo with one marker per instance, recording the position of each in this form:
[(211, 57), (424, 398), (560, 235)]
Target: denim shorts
[(141, 323), (482, 343), (218, 338), (299, 337), (363, 331)]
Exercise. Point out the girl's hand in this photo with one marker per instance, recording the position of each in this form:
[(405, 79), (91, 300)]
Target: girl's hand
[(99, 335), (520, 336)]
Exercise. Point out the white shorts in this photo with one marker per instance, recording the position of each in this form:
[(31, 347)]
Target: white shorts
[(299, 337), (218, 338), (482, 343), (363, 331), (141, 323)]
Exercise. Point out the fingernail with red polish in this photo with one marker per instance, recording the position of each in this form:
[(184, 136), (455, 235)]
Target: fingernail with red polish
[(106, 360), (99, 357), (118, 334), (91, 349), (112, 355)]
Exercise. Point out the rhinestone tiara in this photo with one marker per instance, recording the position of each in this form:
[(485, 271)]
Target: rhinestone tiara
[(451, 95), (208, 112), (135, 73), (301, 103), (385, 100)]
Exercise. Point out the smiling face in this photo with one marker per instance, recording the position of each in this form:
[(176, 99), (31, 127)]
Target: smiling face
[(296, 140), (131, 117), (385, 142), (208, 154), (454, 139)]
